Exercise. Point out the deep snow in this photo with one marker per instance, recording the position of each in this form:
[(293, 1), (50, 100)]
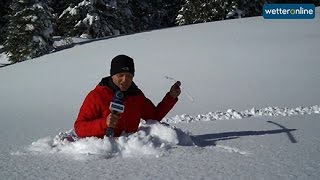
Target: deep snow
[(249, 107)]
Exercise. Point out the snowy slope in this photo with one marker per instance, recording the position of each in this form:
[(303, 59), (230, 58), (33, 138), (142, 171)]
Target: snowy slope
[(254, 111)]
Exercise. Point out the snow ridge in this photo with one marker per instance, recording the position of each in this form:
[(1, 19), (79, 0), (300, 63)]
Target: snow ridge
[(233, 114)]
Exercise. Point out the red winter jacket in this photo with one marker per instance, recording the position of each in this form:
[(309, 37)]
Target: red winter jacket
[(93, 113)]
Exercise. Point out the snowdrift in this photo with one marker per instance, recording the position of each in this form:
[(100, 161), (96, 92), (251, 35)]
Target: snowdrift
[(152, 138)]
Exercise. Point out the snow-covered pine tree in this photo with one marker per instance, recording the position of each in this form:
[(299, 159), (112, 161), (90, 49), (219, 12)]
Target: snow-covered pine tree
[(29, 30), (253, 8), (99, 18), (67, 19), (141, 10), (4, 14), (58, 7), (93, 19), (199, 11), (123, 18), (171, 9), (234, 9), (245, 8), (154, 14)]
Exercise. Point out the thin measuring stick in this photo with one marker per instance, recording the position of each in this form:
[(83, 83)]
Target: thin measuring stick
[(184, 90)]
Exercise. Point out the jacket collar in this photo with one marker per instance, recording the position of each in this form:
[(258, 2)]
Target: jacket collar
[(107, 82)]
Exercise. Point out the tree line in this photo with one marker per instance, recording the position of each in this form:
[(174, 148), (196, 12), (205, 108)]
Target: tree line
[(27, 27)]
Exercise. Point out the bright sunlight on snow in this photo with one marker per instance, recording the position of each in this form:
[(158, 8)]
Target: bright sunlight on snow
[(249, 107)]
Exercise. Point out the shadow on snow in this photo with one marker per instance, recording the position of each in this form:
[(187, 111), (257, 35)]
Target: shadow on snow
[(211, 139)]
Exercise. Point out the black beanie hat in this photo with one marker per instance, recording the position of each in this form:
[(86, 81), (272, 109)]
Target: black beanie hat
[(122, 63)]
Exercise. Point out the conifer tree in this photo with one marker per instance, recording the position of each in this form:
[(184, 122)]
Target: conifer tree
[(29, 30), (59, 7), (171, 8), (198, 11), (4, 14), (92, 18), (154, 14)]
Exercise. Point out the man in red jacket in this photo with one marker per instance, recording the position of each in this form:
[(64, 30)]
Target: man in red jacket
[(95, 116)]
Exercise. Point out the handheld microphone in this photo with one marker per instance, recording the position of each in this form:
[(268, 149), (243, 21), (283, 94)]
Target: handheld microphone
[(116, 106)]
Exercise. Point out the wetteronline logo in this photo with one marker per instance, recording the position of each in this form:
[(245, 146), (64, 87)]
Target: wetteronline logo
[(288, 11)]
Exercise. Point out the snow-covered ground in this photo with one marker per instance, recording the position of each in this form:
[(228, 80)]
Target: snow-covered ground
[(249, 107)]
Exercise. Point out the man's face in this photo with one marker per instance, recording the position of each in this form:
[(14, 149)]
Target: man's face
[(122, 80)]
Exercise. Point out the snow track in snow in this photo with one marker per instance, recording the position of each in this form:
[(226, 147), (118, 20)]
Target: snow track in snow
[(232, 149), (233, 114)]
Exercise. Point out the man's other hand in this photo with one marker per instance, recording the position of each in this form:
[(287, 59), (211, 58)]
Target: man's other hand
[(175, 89)]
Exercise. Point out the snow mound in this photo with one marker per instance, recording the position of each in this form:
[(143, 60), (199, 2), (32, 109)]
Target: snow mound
[(233, 114), (152, 138)]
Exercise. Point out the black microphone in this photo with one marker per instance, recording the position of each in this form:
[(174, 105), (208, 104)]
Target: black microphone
[(116, 106)]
